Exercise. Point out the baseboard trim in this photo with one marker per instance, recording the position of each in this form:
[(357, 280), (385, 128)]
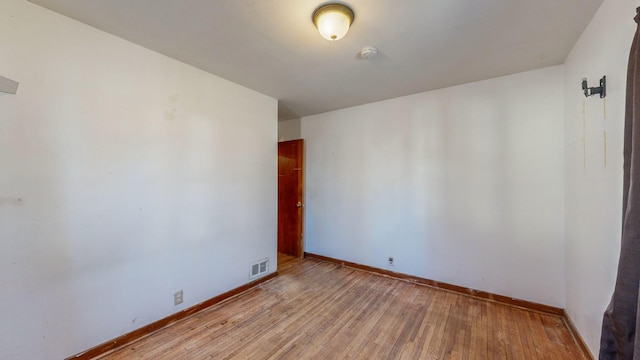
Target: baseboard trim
[(148, 329), (576, 336), (445, 286)]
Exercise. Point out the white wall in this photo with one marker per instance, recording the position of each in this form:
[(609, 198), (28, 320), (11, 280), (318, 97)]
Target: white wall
[(289, 130), (593, 190), (462, 185), (125, 176)]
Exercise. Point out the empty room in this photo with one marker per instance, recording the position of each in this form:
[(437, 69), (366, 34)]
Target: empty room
[(287, 179)]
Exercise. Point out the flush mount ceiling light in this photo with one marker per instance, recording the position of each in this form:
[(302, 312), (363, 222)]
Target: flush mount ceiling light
[(333, 20)]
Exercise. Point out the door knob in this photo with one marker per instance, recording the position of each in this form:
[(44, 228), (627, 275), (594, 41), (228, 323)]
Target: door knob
[(299, 204)]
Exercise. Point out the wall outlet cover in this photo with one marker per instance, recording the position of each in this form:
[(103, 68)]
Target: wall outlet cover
[(178, 297)]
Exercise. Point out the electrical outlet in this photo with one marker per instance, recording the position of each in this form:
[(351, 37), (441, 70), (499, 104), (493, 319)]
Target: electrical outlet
[(390, 261), (177, 297)]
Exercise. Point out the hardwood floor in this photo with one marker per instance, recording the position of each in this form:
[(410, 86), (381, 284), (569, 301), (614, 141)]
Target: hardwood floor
[(321, 310)]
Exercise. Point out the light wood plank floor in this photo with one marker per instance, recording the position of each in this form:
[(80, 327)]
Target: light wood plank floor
[(319, 310)]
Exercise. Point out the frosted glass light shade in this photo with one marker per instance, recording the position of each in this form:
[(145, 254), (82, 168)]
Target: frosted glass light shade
[(333, 21)]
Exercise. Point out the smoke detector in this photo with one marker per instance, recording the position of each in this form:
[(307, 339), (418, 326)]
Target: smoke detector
[(368, 52)]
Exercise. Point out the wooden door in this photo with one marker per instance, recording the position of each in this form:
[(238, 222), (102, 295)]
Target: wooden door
[(290, 197)]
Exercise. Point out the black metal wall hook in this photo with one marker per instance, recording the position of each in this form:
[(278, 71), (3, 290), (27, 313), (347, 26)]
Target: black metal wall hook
[(590, 91)]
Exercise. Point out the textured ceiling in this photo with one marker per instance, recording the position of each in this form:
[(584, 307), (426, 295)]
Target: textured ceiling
[(272, 46)]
